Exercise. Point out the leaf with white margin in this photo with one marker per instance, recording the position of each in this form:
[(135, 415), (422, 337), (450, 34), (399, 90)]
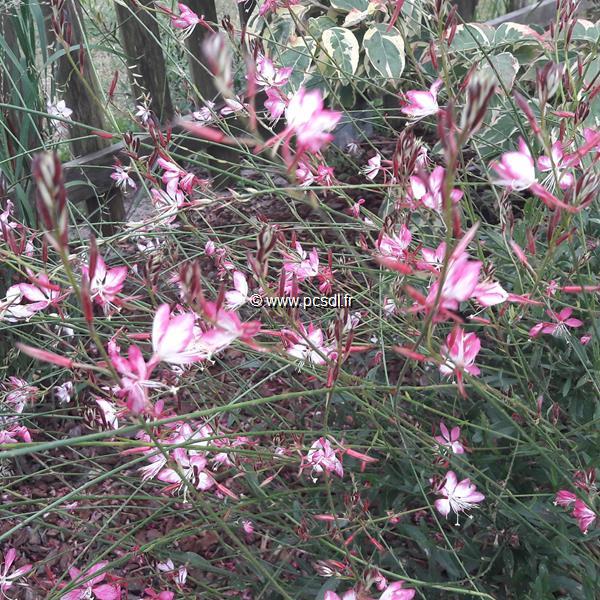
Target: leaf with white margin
[(515, 33), (385, 50), (504, 65), (585, 31), (472, 37), (342, 47), (354, 17), (348, 5), (411, 16), (298, 55)]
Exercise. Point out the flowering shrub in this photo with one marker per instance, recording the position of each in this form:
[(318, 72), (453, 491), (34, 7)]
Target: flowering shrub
[(168, 430)]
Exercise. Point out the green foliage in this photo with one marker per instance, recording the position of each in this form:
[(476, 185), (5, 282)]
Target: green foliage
[(21, 98), (529, 420)]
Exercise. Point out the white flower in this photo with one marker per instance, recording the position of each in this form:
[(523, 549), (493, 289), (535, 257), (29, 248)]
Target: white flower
[(143, 112), (61, 110), (64, 392)]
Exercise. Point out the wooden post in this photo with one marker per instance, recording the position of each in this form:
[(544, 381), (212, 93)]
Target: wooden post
[(466, 9), (140, 37), (201, 76), (82, 95)]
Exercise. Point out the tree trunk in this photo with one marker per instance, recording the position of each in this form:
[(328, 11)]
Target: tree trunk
[(222, 158), (82, 95), (201, 75), (245, 10), (140, 37)]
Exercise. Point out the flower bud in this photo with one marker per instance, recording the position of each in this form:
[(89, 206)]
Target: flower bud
[(547, 81), (218, 55), (446, 128), (191, 283), (51, 197), (480, 89)]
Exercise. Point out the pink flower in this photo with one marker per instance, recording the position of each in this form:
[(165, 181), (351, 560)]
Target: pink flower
[(428, 190), (209, 248), (322, 458), (175, 177), (349, 595), (14, 433), (395, 245), (309, 121), (91, 589), (562, 320), (459, 497), (268, 76), (225, 458), (301, 264), (592, 138), (304, 174), (157, 463), (326, 279), (397, 591), (516, 170), (275, 103), (460, 351), (267, 6), (248, 527), (373, 167), (489, 293), (227, 327), (584, 515), (450, 439), (564, 498), (233, 105), (168, 205), (354, 210), (106, 283), (179, 576), (183, 434), (191, 467), (557, 158), (108, 412), (152, 595), (7, 580), (19, 393), (418, 104), (205, 114), (121, 177), (187, 18), (308, 345), (239, 296), (172, 336), (459, 284), (135, 380), (40, 294), (433, 259), (325, 175)]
